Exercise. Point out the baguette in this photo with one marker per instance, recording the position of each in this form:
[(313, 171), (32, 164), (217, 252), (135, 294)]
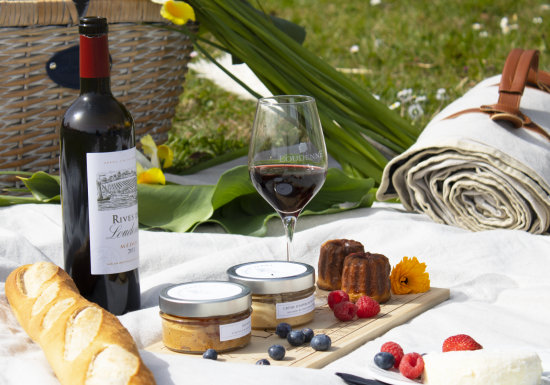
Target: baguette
[(84, 344)]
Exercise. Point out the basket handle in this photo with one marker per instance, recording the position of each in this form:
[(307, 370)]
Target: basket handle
[(521, 68)]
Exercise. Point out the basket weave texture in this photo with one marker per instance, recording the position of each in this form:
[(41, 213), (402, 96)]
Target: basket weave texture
[(148, 69)]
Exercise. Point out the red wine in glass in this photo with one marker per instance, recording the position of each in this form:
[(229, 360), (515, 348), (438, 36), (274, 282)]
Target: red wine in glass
[(287, 159), (288, 188)]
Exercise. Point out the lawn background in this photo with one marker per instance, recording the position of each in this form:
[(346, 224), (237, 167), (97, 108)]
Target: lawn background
[(420, 44)]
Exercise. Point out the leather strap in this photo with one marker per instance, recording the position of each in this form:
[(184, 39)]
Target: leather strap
[(521, 69)]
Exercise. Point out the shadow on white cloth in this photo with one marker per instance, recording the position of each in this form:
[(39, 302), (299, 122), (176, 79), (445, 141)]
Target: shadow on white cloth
[(499, 286)]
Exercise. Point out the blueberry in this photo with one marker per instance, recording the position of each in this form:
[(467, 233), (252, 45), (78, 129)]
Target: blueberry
[(277, 352), (283, 329), (296, 338), (263, 361), (321, 342), (308, 333), (210, 354), (384, 360)]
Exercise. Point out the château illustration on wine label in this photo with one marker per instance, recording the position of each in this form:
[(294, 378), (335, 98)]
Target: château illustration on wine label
[(99, 183)]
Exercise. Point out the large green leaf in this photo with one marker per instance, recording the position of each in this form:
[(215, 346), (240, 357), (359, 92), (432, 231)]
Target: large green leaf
[(174, 207), (234, 203), (44, 187), (248, 214)]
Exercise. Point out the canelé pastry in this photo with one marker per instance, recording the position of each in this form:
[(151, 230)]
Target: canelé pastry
[(331, 262), (367, 274)]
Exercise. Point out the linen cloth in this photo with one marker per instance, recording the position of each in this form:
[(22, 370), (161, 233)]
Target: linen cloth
[(475, 173), (500, 292)]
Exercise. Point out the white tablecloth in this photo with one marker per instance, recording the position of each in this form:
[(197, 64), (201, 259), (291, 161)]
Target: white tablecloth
[(500, 290)]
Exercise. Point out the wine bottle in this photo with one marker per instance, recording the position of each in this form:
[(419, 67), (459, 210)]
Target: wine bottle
[(99, 183)]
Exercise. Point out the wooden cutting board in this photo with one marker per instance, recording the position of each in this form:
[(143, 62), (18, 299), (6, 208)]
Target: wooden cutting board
[(345, 336)]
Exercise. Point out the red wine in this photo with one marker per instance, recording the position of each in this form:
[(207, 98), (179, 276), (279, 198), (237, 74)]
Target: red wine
[(99, 184), (288, 188)]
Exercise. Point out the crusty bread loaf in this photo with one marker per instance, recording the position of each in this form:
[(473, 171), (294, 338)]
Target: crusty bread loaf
[(84, 344)]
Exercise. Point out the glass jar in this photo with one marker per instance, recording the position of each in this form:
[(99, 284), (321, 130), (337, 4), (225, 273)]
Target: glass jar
[(198, 316), (281, 291)]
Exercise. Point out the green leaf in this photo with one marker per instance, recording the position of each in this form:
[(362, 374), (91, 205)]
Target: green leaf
[(234, 203), (44, 187), (233, 183), (174, 207), (248, 214)]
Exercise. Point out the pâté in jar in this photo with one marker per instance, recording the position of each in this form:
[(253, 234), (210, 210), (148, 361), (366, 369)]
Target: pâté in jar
[(198, 316), (281, 291)]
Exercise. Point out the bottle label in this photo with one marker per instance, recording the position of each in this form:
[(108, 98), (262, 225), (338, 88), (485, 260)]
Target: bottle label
[(296, 308), (236, 330), (112, 204), (271, 270)]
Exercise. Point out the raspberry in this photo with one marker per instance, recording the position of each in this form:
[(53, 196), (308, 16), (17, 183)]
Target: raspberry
[(411, 365), (460, 342), (337, 296), (345, 311), (367, 307), (395, 350)]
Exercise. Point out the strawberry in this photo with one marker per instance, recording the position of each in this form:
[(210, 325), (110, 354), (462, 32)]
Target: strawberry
[(460, 342)]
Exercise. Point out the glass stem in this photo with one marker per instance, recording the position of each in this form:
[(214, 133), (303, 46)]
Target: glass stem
[(289, 222)]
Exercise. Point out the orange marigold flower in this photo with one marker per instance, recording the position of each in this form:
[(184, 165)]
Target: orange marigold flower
[(409, 277)]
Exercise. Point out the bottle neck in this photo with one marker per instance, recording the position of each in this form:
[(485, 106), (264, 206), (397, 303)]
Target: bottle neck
[(95, 68)]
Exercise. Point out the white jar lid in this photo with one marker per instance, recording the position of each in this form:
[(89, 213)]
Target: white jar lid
[(273, 277), (205, 299)]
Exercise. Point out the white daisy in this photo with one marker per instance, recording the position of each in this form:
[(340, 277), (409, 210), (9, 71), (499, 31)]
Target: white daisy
[(415, 111), (420, 99), (441, 94), (405, 95), (545, 7), (395, 105), (477, 26), (354, 48), (375, 2), (537, 20), (483, 34)]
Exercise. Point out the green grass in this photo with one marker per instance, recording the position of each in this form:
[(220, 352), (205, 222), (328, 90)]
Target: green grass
[(420, 44), (209, 122)]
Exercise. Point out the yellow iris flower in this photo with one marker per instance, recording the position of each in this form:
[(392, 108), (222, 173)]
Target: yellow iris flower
[(151, 176), (177, 12), (409, 277), (155, 153), (154, 174)]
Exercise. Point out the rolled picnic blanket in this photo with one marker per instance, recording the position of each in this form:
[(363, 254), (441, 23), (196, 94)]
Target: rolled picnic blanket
[(483, 163)]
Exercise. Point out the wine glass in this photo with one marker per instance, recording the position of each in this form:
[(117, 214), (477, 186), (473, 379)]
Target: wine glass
[(287, 160)]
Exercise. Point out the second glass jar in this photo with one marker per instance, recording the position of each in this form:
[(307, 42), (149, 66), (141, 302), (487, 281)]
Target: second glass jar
[(281, 291)]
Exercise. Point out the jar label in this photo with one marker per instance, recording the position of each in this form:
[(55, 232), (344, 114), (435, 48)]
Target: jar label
[(236, 330), (113, 211), (296, 308), (270, 270), (205, 291)]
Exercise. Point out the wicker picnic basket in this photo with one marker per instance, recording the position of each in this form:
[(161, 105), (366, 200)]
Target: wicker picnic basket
[(148, 69)]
